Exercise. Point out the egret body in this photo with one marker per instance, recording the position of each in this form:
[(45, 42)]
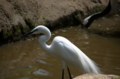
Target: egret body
[(65, 51)]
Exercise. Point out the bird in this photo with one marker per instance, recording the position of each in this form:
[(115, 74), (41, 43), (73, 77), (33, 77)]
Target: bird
[(88, 20), (65, 51)]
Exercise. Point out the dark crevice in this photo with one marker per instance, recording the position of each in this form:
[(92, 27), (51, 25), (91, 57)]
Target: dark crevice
[(2, 41), (29, 23)]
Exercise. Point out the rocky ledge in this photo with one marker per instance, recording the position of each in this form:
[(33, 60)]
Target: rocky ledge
[(19, 16)]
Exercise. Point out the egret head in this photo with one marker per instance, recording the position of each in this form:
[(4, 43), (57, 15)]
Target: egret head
[(38, 30)]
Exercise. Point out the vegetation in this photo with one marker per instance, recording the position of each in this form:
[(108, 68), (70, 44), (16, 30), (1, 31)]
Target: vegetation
[(30, 23)]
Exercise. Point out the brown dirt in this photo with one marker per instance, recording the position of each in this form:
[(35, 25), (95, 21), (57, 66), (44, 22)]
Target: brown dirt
[(19, 16)]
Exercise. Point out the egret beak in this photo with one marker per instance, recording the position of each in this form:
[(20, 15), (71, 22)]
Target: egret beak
[(27, 34)]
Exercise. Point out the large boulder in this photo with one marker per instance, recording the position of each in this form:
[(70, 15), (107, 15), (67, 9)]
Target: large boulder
[(19, 16)]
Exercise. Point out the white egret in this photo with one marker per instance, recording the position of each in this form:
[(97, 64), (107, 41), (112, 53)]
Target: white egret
[(64, 50), (88, 20)]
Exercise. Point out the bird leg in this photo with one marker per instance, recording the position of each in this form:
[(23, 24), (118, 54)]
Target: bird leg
[(69, 73), (62, 73)]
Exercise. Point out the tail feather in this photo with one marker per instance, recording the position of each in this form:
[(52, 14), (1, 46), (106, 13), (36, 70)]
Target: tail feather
[(92, 66), (88, 65)]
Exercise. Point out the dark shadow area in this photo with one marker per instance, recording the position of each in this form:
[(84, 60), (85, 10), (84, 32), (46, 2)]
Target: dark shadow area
[(70, 20), (114, 34)]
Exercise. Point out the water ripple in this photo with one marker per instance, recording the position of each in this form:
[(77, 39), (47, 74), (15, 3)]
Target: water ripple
[(41, 72)]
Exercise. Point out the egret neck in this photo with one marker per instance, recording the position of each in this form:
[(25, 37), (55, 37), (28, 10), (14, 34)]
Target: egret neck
[(43, 39)]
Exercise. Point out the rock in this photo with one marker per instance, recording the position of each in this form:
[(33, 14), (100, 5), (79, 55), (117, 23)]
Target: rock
[(97, 76), (20, 16)]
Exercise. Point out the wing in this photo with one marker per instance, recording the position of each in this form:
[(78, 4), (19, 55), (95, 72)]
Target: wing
[(72, 55), (77, 58)]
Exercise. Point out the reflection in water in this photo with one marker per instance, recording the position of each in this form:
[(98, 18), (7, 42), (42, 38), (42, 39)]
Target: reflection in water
[(41, 61), (41, 72), (42, 54), (22, 60)]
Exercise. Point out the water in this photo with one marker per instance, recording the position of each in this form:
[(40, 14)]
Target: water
[(26, 60)]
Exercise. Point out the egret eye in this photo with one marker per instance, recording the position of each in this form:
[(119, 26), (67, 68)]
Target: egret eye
[(41, 34)]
